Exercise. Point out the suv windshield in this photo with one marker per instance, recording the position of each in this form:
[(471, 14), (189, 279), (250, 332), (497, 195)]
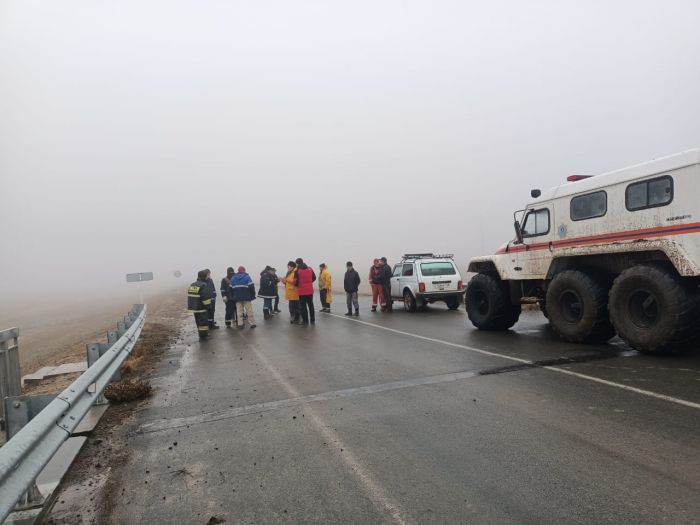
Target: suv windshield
[(437, 268)]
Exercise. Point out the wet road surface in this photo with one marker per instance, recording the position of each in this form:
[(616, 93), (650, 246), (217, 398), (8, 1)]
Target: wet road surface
[(414, 418)]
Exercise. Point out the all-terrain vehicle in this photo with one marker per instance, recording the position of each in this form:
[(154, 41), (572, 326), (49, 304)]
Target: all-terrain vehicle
[(422, 278), (613, 253)]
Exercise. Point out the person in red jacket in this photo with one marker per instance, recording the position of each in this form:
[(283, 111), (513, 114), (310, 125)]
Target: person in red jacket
[(375, 283), (304, 280)]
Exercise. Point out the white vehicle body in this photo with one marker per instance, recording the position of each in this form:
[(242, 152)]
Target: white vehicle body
[(643, 215), (671, 227), (426, 278)]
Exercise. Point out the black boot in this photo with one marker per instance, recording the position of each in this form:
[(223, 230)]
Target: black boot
[(349, 312), (266, 313)]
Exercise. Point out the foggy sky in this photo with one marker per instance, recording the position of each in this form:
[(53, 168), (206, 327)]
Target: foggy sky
[(170, 135)]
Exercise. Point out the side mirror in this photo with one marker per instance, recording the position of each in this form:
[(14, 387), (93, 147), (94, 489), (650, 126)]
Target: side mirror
[(518, 232), (535, 193)]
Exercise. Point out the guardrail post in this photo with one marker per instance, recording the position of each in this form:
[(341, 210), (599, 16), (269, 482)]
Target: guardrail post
[(10, 376), (121, 328), (19, 411)]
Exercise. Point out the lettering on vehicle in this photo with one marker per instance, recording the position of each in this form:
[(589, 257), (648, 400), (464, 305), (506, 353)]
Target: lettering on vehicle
[(679, 217)]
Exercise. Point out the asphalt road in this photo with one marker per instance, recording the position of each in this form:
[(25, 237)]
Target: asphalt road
[(413, 418)]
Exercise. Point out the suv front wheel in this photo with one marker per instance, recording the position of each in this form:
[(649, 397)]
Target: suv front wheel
[(409, 302), (452, 303)]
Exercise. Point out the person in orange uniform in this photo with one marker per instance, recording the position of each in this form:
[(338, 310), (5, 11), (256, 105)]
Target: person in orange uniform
[(324, 288), (291, 293)]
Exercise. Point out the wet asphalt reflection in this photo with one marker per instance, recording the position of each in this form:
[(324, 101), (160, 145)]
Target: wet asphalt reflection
[(415, 418)]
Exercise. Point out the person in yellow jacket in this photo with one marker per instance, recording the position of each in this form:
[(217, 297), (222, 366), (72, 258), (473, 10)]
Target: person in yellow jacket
[(324, 288), (291, 293)]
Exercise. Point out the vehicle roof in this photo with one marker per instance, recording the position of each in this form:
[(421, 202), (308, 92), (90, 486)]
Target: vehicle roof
[(637, 171), (426, 259)]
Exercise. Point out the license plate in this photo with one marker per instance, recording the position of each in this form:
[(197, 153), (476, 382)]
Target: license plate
[(440, 287)]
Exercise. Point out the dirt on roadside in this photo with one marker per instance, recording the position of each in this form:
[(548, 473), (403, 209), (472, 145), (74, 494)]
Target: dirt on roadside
[(87, 493)]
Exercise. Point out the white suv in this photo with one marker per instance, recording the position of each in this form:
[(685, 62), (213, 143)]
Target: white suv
[(422, 278)]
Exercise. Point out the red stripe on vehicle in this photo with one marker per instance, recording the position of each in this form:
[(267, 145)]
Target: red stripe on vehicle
[(663, 231)]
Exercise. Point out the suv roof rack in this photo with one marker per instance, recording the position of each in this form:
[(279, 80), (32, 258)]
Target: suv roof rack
[(427, 256)]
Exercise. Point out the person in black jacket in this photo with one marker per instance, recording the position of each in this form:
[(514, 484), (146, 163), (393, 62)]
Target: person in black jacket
[(385, 281), (211, 292), (268, 290), (227, 296), (199, 303), (351, 283), (277, 293)]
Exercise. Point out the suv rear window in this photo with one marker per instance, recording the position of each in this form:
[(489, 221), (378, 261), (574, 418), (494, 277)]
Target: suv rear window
[(437, 268)]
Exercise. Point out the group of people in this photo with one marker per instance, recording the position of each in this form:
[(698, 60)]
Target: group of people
[(238, 292)]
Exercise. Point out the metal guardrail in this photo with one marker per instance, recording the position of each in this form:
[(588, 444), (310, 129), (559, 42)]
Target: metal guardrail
[(25, 455), (10, 381)]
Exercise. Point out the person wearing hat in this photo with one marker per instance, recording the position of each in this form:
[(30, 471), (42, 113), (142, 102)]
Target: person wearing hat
[(324, 288), (268, 290), (351, 283), (244, 295), (199, 303), (291, 292), (227, 296)]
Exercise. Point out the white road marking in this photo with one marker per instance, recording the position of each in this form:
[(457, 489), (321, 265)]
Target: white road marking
[(649, 393), (375, 491)]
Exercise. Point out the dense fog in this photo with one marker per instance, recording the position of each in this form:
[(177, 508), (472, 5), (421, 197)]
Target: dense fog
[(171, 135)]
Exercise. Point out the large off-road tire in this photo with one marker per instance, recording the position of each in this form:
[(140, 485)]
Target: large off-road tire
[(452, 303), (653, 310), (577, 307), (488, 303), (409, 302)]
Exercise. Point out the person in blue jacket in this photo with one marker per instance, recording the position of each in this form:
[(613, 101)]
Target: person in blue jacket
[(244, 295)]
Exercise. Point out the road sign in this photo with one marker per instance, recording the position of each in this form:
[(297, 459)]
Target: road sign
[(138, 277)]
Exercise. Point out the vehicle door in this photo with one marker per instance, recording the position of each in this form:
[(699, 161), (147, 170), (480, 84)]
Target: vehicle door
[(407, 279), (531, 258), (395, 285)]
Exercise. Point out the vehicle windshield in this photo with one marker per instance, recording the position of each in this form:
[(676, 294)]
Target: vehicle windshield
[(437, 268)]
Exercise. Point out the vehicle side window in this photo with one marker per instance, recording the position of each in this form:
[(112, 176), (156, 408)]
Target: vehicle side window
[(649, 193), (589, 206), (536, 223), (407, 270), (397, 270)]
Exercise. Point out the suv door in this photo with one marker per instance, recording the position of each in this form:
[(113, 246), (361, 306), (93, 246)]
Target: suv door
[(395, 285), (407, 279)]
